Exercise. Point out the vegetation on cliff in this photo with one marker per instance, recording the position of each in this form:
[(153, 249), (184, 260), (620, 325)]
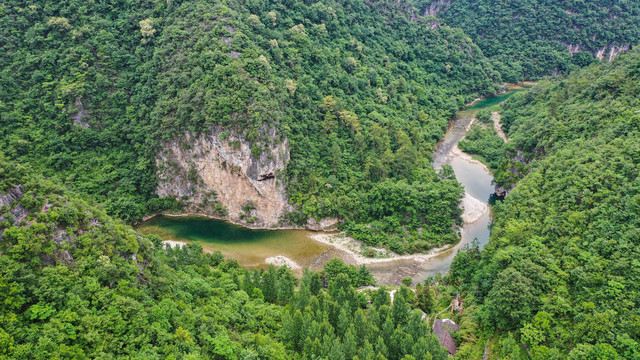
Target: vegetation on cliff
[(560, 274), (362, 90)]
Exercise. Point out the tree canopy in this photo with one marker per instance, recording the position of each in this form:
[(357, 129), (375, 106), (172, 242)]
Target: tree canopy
[(560, 271), (75, 283), (361, 90), (527, 39)]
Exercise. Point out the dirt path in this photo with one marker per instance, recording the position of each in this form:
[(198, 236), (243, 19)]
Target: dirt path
[(438, 314), (495, 116)]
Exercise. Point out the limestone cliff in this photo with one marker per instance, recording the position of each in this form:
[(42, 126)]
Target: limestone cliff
[(614, 51), (216, 174), (607, 53), (435, 7)]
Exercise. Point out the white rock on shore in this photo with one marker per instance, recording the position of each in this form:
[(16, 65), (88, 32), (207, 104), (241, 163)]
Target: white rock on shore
[(281, 260), (473, 209), (173, 243)]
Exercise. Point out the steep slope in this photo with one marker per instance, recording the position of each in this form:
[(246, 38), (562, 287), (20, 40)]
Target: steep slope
[(323, 102), (560, 272), (532, 38), (223, 178), (75, 283)]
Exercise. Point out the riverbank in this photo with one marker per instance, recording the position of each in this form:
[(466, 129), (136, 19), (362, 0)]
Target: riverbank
[(348, 248), (298, 248), (222, 218), (281, 260), (353, 248)]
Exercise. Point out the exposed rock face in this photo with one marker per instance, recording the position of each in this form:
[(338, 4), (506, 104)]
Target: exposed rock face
[(208, 172), (573, 48), (16, 212), (81, 116), (614, 51), (15, 193), (607, 53), (330, 224), (436, 7), (501, 191)]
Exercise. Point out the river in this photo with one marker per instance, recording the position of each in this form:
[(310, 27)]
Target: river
[(257, 248)]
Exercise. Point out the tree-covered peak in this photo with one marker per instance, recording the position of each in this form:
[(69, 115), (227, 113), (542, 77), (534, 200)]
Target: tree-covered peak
[(359, 91), (534, 38)]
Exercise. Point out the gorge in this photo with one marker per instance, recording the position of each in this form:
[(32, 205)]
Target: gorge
[(254, 247), (328, 175)]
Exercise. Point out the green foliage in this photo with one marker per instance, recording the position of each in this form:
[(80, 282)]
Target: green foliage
[(530, 38), (357, 277), (408, 217), (89, 94), (83, 290), (482, 140), (424, 299), (560, 267), (484, 116), (511, 301)]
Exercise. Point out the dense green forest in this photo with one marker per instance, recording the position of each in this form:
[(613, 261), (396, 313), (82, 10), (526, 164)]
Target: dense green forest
[(526, 39), (76, 284), (363, 91), (561, 273), (483, 142)]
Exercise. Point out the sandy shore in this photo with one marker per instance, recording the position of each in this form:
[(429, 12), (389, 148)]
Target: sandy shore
[(456, 152), (353, 248), (472, 209), (281, 260)]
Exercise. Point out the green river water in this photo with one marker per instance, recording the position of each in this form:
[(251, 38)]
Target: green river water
[(252, 247)]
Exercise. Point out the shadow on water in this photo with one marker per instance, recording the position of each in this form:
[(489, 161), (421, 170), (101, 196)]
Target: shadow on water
[(495, 198)]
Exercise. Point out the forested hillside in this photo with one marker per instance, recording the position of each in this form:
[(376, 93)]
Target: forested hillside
[(76, 284), (530, 38), (362, 91), (561, 272), (355, 94)]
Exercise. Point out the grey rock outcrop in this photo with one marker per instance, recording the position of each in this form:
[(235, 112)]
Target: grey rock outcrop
[(17, 212), (436, 7), (614, 51), (214, 170), (81, 115)]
